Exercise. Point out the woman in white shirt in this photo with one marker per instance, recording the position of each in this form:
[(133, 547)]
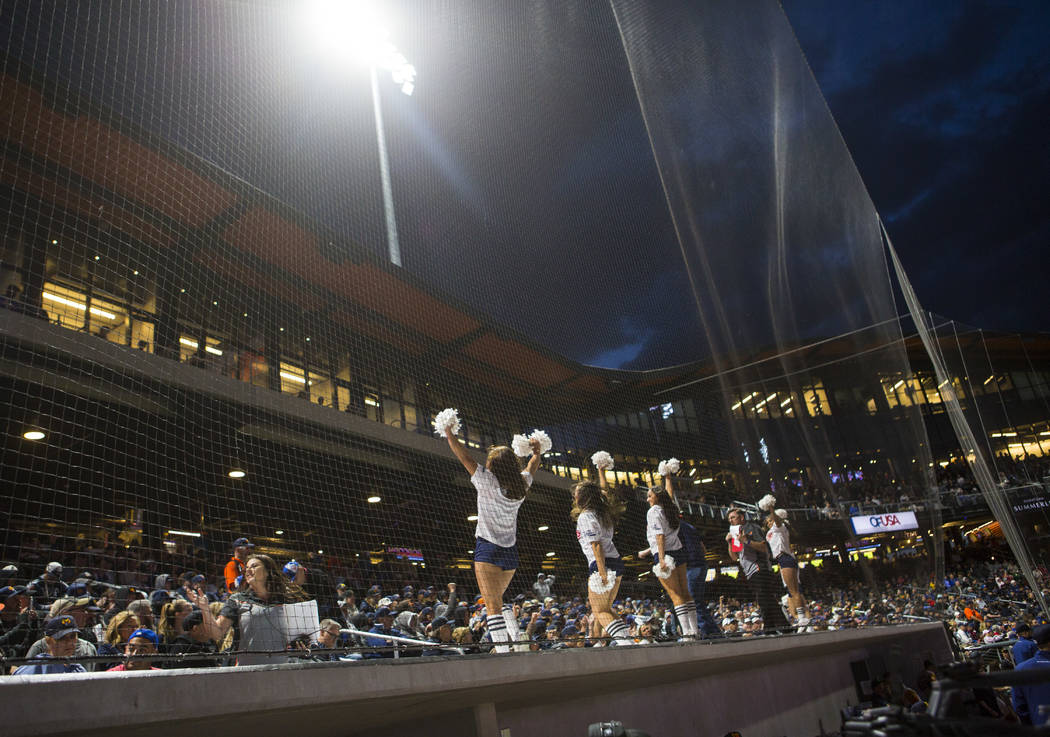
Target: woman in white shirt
[(596, 516), (778, 536), (501, 487), (661, 530)]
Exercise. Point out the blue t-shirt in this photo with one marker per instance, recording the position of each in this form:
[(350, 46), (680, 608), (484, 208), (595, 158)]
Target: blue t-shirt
[(37, 669)]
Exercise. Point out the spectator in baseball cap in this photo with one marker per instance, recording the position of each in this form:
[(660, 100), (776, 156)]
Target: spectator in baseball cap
[(235, 566), (1025, 647), (10, 575), (383, 626), (570, 636), (80, 611), (142, 642), (11, 600), (48, 587), (60, 641)]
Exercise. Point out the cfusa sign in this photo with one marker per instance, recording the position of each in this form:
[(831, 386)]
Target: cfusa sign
[(890, 522)]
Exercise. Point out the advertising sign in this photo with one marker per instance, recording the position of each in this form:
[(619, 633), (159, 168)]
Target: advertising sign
[(891, 522)]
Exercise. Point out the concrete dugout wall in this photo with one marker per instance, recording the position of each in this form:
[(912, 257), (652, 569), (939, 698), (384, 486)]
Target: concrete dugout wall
[(764, 687)]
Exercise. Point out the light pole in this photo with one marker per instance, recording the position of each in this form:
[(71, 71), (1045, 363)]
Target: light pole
[(351, 28), (392, 244)]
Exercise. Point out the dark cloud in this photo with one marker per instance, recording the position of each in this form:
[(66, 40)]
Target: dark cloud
[(948, 131)]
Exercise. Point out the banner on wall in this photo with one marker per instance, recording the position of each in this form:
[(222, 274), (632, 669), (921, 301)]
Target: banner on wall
[(872, 524)]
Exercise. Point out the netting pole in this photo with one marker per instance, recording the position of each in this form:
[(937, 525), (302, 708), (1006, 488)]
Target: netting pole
[(993, 494)]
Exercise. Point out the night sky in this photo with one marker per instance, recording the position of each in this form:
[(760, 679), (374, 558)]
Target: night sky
[(525, 176), (946, 109)]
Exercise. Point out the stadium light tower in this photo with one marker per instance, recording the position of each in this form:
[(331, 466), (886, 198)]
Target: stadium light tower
[(352, 31)]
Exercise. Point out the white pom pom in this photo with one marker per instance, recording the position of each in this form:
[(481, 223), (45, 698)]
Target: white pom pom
[(602, 461), (664, 572), (598, 586), (520, 444), (767, 503), (446, 419), (544, 438), (669, 467), (782, 513)]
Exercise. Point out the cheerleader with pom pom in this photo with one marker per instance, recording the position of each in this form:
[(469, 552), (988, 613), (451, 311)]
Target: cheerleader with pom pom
[(501, 485), (695, 557), (661, 529), (778, 536), (596, 515)]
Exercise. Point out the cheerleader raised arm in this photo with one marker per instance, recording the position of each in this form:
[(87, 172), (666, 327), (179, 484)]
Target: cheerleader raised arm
[(661, 530), (596, 514), (501, 487), (695, 559), (778, 535)]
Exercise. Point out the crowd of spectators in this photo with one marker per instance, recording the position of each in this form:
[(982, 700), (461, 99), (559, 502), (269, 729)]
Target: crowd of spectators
[(980, 600), (53, 622)]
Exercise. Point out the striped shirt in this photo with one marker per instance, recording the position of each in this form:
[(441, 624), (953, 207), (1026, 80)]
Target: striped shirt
[(497, 513)]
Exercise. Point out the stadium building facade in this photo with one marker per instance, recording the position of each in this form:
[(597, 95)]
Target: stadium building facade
[(167, 324)]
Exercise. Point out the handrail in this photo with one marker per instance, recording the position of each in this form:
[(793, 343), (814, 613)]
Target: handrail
[(400, 640)]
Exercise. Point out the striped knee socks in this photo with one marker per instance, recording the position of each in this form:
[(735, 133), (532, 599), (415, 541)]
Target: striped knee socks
[(617, 631), (498, 632), (687, 618)]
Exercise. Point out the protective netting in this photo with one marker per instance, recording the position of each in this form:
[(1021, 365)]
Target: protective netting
[(1001, 429), (244, 273)]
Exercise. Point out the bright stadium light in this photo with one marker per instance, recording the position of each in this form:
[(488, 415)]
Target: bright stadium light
[(34, 435), (352, 31)]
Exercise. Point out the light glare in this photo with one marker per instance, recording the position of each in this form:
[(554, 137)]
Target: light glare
[(352, 31)]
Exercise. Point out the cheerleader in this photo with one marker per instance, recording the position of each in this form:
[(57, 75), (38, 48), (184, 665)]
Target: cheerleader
[(661, 530), (596, 516), (501, 487), (779, 538)]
